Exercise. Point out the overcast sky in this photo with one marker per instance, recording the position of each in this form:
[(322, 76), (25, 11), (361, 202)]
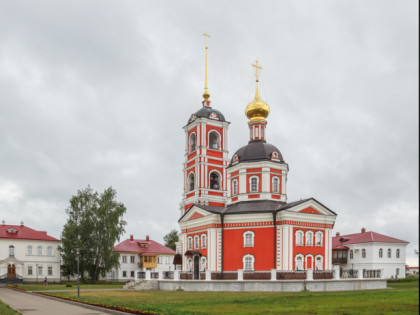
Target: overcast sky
[(97, 92)]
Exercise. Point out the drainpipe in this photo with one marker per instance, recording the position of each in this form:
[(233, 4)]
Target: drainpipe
[(275, 240), (223, 245)]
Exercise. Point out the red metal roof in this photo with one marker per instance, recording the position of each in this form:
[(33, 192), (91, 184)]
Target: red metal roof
[(24, 233), (133, 246), (366, 237)]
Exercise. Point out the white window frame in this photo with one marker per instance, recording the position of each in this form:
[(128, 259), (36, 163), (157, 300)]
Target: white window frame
[(248, 262), (189, 264), (39, 251), (397, 253), (234, 187), (321, 259), (275, 183), (39, 270), (132, 259), (319, 237), (191, 175), (299, 238), (298, 266), (309, 238), (219, 181), (11, 250), (196, 242), (218, 142), (29, 250), (124, 259), (363, 253), (50, 271), (203, 264), (249, 238), (30, 271), (49, 251), (191, 149), (251, 186), (389, 255), (190, 242), (203, 241), (351, 254)]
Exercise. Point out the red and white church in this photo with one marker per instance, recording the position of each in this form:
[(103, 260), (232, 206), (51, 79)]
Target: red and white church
[(235, 213)]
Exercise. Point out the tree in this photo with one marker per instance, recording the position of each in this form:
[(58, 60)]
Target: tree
[(171, 238), (94, 225)]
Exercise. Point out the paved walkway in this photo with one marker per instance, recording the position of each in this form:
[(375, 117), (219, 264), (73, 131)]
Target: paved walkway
[(33, 304)]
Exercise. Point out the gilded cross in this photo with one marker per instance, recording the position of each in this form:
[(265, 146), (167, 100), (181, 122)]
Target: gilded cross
[(257, 67)]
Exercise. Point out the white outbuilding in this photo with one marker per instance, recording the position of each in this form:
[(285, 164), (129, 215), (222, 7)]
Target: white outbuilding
[(369, 252), (27, 254)]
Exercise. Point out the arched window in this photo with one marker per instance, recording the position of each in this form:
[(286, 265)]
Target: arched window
[(351, 254), (249, 239), (203, 263), (196, 242), (254, 183), (397, 253), (299, 238), (191, 182), (11, 250), (49, 251), (214, 181), (318, 263), (248, 261), (234, 187), (363, 253), (318, 238), (381, 252), (39, 251), (190, 242), (214, 140), (275, 184), (309, 235), (203, 241), (299, 262), (29, 250), (193, 140), (389, 253)]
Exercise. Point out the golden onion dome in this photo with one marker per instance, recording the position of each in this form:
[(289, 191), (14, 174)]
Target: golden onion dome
[(257, 110)]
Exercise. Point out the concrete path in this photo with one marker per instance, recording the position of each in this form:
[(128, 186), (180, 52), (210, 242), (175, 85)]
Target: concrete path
[(33, 304)]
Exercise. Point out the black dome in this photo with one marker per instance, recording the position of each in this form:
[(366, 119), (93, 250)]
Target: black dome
[(207, 112), (255, 151)]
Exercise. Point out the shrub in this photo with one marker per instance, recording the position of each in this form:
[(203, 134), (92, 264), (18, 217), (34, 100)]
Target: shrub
[(68, 285)]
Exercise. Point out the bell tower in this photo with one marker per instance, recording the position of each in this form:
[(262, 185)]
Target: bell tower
[(206, 154)]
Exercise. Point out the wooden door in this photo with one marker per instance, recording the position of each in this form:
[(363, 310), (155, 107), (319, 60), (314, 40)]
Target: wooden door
[(11, 271)]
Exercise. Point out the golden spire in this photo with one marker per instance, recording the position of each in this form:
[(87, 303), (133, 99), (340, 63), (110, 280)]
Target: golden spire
[(257, 109), (206, 93)]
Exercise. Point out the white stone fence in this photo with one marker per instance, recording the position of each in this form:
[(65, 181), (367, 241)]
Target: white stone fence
[(268, 275)]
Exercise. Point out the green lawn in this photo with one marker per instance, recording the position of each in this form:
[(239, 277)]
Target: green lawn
[(6, 310), (400, 298)]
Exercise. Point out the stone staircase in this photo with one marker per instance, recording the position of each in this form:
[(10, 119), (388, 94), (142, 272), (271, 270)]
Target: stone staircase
[(142, 285), (11, 281)]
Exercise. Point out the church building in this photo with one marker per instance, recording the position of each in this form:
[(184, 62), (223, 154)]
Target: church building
[(235, 213)]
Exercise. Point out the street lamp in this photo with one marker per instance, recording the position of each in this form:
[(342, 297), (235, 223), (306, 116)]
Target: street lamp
[(36, 266), (78, 284)]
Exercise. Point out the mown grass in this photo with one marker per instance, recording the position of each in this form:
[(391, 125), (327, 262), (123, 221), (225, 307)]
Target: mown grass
[(7, 310), (54, 286), (400, 298)]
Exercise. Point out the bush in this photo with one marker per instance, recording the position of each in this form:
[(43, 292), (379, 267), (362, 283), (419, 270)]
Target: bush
[(68, 285)]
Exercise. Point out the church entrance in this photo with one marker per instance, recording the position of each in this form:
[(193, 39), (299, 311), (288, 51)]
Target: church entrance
[(11, 271), (196, 268)]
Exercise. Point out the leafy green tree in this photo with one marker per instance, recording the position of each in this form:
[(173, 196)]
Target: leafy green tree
[(93, 226), (171, 238)]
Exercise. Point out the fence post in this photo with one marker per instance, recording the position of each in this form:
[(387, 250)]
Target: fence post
[(208, 275), (160, 275), (309, 274), (360, 273), (273, 274), (336, 270), (240, 274), (176, 275), (147, 275)]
